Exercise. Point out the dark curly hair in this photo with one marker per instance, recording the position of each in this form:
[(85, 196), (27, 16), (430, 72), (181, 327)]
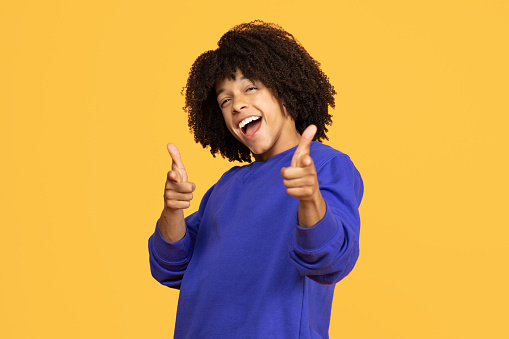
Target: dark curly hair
[(267, 53)]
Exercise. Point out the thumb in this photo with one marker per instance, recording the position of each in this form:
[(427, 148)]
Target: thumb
[(303, 148), (176, 163)]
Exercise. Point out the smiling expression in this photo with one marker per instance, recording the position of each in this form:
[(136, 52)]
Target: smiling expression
[(255, 117)]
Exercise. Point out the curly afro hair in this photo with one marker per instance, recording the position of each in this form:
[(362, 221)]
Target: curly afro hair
[(267, 53)]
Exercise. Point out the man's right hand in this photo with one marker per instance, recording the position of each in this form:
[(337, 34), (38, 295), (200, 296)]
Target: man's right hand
[(178, 193)]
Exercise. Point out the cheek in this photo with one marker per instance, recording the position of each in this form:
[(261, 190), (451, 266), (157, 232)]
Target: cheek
[(225, 118), (228, 122), (269, 105)]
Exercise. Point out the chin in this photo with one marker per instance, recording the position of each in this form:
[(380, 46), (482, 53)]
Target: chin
[(259, 151)]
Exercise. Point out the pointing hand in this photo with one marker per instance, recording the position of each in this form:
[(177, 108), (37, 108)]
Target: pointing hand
[(178, 191), (300, 178), (301, 182)]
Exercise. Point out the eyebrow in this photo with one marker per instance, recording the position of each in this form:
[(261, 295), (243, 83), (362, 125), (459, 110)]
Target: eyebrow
[(222, 89)]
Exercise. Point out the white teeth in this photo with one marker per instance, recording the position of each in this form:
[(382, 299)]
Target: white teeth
[(247, 121)]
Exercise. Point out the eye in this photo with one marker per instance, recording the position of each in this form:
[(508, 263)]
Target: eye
[(251, 88), (224, 102)]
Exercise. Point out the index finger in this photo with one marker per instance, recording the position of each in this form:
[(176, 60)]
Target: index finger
[(305, 142), (177, 163)]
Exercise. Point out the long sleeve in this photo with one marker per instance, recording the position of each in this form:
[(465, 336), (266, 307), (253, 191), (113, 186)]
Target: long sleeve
[(168, 261), (328, 251)]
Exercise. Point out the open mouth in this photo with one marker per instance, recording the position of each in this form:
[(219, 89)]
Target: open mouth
[(250, 125)]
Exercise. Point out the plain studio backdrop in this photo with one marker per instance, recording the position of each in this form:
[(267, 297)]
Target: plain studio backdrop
[(90, 95)]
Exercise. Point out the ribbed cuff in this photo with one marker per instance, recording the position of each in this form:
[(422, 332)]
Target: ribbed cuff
[(171, 252), (319, 235)]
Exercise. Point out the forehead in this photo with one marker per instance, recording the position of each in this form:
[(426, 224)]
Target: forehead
[(236, 77)]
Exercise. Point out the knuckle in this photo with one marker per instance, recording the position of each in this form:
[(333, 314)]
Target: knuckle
[(169, 194)]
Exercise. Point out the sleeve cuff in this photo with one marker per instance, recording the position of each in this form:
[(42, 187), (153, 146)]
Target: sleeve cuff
[(319, 235), (175, 252)]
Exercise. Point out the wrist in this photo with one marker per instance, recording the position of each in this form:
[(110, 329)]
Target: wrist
[(311, 211), (170, 212), (172, 225)]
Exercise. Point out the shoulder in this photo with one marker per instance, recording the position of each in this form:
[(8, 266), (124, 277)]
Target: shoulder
[(337, 173), (231, 175), (324, 154)]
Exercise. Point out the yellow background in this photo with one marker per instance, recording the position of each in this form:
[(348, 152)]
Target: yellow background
[(90, 95)]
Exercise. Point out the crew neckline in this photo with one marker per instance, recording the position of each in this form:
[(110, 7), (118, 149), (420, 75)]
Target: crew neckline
[(277, 156)]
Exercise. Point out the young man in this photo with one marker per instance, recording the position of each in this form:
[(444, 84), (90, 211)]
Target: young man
[(261, 256)]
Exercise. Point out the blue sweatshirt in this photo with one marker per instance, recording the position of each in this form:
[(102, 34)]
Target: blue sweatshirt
[(246, 269)]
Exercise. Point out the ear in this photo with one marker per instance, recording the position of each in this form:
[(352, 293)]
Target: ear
[(283, 109)]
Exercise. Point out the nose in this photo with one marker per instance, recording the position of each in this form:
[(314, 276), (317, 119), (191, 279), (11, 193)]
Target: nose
[(239, 103)]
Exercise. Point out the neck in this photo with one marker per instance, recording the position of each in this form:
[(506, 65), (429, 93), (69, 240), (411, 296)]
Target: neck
[(292, 139)]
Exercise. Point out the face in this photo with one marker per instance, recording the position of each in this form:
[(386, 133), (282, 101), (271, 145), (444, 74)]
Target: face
[(255, 117)]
